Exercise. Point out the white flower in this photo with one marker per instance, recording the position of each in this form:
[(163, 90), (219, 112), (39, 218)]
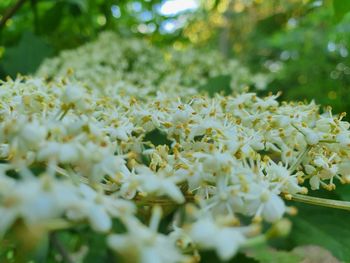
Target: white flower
[(75, 96), (33, 201), (98, 208), (144, 244), (110, 165), (273, 207), (288, 182), (32, 134), (232, 156), (62, 152), (72, 94), (344, 138), (208, 235), (4, 150), (311, 137), (315, 182), (159, 184)]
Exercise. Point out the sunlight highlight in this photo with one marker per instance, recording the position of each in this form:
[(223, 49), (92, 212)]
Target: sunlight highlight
[(173, 7)]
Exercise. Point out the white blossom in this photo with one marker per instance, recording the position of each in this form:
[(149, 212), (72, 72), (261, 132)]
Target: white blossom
[(86, 153)]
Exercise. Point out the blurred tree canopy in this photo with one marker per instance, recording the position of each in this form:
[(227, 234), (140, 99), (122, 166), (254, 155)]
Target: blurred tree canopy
[(304, 44)]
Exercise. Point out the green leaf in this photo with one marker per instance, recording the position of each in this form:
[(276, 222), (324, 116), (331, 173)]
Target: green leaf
[(52, 18), (272, 23), (211, 256), (26, 56), (328, 228), (97, 248), (343, 191), (264, 254), (41, 252), (82, 4), (341, 8), (157, 137), (7, 251), (218, 84)]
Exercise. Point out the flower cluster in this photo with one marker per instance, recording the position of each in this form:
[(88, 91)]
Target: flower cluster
[(138, 68), (95, 155)]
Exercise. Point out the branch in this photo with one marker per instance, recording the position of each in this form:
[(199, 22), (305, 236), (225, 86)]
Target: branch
[(10, 12), (337, 204)]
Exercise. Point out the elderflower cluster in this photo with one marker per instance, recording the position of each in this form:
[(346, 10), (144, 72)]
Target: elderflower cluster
[(135, 67), (95, 155)]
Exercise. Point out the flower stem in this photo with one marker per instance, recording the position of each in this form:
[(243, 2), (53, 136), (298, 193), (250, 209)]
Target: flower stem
[(300, 158), (344, 205), (57, 224), (254, 241)]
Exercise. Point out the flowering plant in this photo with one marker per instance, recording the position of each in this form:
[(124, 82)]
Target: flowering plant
[(138, 68), (139, 157), (159, 177)]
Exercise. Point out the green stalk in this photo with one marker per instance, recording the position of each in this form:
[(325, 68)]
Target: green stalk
[(344, 205), (300, 158), (255, 241)]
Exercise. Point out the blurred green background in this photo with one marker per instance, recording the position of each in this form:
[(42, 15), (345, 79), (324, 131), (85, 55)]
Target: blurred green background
[(303, 44)]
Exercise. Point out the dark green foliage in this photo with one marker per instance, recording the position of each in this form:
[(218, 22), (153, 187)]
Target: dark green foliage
[(26, 56), (325, 227), (307, 50), (156, 137), (341, 8), (219, 84)]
